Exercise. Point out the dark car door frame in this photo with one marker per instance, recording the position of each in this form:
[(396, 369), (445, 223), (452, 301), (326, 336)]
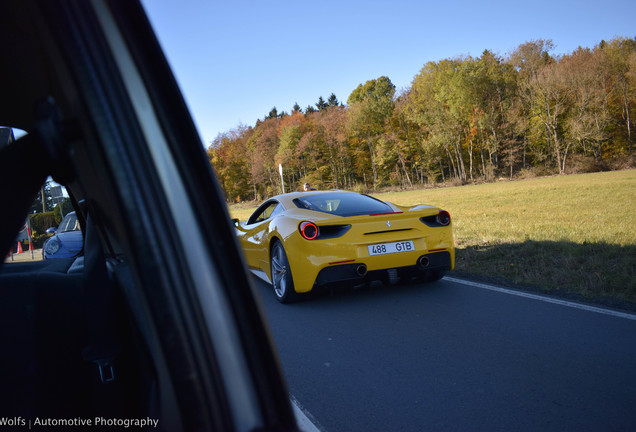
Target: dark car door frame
[(151, 177)]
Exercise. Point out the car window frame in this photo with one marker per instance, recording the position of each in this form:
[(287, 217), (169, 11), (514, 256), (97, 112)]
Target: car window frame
[(277, 208)]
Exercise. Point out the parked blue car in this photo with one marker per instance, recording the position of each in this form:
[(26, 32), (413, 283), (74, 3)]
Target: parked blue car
[(67, 241)]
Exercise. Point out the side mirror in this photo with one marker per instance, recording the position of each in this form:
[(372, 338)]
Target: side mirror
[(51, 230), (235, 222)]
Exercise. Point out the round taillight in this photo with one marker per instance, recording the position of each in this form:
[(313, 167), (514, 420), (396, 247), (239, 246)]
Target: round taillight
[(443, 217), (308, 230)]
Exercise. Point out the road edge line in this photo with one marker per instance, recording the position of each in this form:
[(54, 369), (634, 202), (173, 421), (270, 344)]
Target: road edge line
[(567, 303)]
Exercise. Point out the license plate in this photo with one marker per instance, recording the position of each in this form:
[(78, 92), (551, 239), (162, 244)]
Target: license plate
[(389, 248)]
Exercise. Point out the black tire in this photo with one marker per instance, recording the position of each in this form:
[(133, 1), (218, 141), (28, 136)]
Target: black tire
[(282, 280)]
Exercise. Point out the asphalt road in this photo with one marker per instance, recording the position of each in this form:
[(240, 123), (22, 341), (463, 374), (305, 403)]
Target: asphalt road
[(451, 357)]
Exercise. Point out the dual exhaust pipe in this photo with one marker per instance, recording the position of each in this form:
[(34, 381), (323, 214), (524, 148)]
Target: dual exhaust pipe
[(361, 270), (422, 263)]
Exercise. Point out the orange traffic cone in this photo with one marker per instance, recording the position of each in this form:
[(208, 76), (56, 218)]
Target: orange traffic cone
[(20, 248)]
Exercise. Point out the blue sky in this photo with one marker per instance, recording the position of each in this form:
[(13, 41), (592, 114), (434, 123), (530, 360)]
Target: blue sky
[(235, 59)]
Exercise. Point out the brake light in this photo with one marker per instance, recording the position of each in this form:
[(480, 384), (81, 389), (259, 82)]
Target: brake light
[(443, 218), (308, 230)]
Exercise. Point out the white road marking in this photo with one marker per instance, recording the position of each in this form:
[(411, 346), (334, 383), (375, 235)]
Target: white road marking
[(544, 298), (304, 424)]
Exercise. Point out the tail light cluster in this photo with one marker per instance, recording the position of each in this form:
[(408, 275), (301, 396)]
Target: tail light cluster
[(442, 218), (311, 231)]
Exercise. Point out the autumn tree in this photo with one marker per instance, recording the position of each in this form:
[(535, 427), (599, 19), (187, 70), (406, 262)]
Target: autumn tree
[(586, 74), (331, 124), (420, 109), (229, 157), (495, 88), (370, 106), (621, 58), (262, 147), (529, 60), (290, 132), (462, 118), (439, 104)]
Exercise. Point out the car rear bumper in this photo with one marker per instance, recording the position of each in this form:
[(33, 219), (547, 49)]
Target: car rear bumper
[(324, 262), (358, 272)]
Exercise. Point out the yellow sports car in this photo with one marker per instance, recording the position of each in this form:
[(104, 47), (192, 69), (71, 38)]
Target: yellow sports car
[(301, 240)]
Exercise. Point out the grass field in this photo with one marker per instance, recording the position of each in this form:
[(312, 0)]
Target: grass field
[(571, 234)]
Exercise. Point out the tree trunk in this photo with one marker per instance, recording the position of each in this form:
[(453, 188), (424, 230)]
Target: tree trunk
[(470, 157), (406, 172), (452, 162), (557, 151), (373, 167), (628, 123), (460, 159)]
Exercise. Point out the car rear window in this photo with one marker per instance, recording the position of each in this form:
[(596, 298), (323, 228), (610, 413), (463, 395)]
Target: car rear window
[(343, 204)]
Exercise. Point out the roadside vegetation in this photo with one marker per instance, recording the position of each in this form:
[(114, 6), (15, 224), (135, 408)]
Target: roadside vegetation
[(462, 120), (568, 235)]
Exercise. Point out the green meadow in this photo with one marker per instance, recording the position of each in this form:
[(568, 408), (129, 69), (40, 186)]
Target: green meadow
[(572, 234)]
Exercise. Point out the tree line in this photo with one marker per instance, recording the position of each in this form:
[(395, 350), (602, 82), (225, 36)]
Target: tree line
[(461, 120)]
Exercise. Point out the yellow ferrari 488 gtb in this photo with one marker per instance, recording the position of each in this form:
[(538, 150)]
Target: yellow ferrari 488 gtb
[(298, 241)]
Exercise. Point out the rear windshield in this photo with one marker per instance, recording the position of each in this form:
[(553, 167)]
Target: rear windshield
[(343, 204)]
